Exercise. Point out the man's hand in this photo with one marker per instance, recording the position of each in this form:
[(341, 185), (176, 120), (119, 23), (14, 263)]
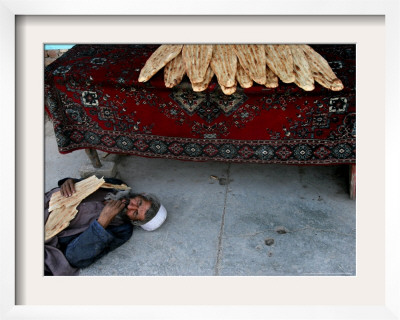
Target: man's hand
[(68, 188), (112, 208)]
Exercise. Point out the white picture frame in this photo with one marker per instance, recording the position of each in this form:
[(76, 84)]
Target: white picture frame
[(12, 180)]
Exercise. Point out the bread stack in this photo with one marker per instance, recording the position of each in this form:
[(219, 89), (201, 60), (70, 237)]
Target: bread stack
[(241, 64)]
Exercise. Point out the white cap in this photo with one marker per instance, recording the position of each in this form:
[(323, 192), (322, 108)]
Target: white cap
[(157, 220)]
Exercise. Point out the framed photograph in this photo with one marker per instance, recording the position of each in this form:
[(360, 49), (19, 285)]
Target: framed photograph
[(373, 292)]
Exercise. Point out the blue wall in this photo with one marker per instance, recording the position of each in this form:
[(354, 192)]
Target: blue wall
[(57, 46)]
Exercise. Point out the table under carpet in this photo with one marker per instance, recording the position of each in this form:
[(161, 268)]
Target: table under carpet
[(95, 101)]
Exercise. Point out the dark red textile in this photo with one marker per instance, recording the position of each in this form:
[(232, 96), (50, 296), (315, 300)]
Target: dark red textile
[(95, 101)]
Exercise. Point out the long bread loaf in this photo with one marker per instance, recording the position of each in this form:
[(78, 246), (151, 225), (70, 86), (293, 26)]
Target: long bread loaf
[(201, 86), (229, 90), (196, 58), (58, 220), (159, 59), (252, 58), (272, 80), (174, 71), (224, 64), (280, 61), (242, 77), (63, 209), (321, 70), (82, 190), (304, 77)]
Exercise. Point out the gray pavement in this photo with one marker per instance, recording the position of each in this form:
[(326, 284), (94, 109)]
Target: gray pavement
[(228, 219)]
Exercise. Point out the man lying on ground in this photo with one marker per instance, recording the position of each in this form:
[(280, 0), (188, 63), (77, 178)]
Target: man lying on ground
[(104, 222)]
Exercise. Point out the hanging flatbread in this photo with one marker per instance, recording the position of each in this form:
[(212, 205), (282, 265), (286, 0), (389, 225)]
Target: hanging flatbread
[(242, 77), (197, 58), (164, 54), (321, 70), (272, 80), (224, 64), (174, 71), (201, 86), (252, 58), (229, 90), (280, 61), (304, 77)]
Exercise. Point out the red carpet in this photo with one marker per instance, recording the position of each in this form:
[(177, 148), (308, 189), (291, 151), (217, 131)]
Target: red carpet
[(95, 101)]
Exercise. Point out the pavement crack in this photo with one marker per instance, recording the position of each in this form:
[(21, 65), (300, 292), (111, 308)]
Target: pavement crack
[(221, 230)]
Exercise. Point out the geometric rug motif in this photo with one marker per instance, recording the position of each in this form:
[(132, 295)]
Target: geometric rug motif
[(94, 100)]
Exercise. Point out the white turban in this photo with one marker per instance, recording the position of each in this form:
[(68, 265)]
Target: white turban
[(157, 220)]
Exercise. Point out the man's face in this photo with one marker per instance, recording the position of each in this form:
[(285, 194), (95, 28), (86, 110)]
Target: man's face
[(137, 208)]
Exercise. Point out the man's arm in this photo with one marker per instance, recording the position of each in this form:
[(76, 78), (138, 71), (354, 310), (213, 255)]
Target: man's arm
[(96, 241), (112, 208)]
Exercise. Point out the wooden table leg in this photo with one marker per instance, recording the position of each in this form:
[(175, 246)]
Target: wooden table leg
[(352, 181), (94, 157)]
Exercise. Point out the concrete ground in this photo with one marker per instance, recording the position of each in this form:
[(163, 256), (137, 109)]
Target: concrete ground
[(228, 219)]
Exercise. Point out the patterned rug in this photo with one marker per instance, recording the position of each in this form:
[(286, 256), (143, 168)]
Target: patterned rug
[(95, 101)]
